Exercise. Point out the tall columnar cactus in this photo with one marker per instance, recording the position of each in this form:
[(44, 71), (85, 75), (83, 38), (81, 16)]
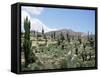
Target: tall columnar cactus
[(45, 37), (92, 41), (54, 34), (79, 39), (42, 31), (62, 37), (88, 36), (58, 41), (68, 37), (84, 46), (27, 43), (76, 51), (34, 32)]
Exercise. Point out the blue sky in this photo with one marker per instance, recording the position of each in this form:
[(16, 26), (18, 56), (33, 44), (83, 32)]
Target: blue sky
[(75, 19)]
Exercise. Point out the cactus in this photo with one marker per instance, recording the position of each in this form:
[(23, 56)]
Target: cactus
[(79, 39), (84, 46), (42, 31), (54, 35), (62, 37), (91, 40), (34, 32), (58, 41), (62, 46), (76, 51), (90, 55), (29, 56), (45, 37), (68, 38), (88, 36)]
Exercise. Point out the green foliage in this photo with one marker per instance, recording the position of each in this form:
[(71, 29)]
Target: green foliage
[(42, 31), (27, 45), (79, 39), (53, 35), (58, 41), (68, 37), (62, 52), (63, 64), (76, 51), (88, 37), (33, 66), (91, 42), (62, 37), (84, 46)]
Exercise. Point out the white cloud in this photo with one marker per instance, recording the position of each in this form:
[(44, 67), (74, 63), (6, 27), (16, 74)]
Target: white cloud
[(33, 10), (36, 24)]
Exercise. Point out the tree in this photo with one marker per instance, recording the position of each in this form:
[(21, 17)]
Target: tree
[(27, 44)]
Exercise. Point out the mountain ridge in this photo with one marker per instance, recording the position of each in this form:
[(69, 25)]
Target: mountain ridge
[(64, 31)]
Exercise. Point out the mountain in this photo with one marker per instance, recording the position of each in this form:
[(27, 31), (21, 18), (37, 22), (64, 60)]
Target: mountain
[(66, 31)]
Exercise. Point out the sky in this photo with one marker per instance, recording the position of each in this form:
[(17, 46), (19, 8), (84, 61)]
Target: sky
[(54, 19)]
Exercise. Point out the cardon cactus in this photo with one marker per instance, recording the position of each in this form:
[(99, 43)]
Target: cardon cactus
[(27, 43)]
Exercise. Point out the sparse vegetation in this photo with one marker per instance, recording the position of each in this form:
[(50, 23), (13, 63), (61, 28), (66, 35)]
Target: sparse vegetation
[(52, 51)]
